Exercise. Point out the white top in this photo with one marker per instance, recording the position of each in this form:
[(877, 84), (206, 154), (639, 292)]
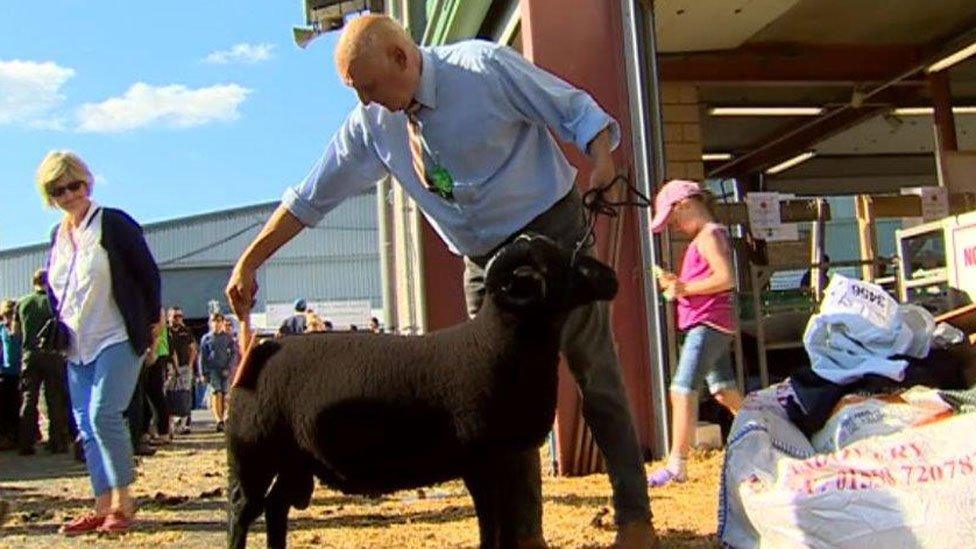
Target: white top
[(84, 290), (858, 328)]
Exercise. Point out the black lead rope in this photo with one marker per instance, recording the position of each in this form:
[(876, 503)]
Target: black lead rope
[(596, 203)]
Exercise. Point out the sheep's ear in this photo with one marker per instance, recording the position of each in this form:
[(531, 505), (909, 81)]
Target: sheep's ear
[(595, 280), (524, 286)]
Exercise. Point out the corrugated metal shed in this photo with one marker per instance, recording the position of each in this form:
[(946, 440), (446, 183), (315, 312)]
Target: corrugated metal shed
[(337, 260)]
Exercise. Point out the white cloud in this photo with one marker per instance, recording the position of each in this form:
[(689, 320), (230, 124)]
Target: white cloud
[(56, 123), (173, 106), (30, 91), (241, 53)]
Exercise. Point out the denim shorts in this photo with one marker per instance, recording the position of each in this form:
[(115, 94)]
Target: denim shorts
[(217, 381), (705, 355)]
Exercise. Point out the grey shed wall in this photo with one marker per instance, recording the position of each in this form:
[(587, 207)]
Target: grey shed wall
[(337, 260)]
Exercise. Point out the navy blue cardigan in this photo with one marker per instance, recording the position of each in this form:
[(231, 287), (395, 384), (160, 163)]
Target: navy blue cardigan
[(135, 276)]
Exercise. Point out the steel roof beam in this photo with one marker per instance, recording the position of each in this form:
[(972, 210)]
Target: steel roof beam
[(804, 65)]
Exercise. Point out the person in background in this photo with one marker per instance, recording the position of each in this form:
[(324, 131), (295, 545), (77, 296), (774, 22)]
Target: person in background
[(105, 284), (313, 323), (229, 328), (235, 359), (374, 325), (10, 348), (703, 290), (158, 366), (824, 276), (184, 352), (469, 131), (217, 352), (295, 324), (40, 371), (138, 413)]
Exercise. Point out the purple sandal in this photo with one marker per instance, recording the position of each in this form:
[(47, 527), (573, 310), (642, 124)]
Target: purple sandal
[(663, 477)]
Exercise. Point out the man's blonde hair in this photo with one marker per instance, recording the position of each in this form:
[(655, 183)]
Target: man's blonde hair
[(58, 165), (365, 35)]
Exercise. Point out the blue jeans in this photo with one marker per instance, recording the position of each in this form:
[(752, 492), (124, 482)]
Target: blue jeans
[(100, 392), (704, 356)]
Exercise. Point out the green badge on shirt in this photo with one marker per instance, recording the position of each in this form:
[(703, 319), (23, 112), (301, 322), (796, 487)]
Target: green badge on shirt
[(442, 182)]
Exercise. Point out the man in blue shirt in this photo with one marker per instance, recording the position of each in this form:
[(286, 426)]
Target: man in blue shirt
[(295, 324), (465, 130), (217, 353)]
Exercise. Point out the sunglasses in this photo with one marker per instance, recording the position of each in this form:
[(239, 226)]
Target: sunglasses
[(69, 187)]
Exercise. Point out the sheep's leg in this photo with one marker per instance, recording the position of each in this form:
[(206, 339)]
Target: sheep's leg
[(245, 495), (243, 511), (485, 496), (519, 480), (508, 486), (276, 509)]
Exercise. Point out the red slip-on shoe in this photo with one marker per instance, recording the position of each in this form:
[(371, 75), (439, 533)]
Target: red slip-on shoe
[(82, 525), (116, 522)]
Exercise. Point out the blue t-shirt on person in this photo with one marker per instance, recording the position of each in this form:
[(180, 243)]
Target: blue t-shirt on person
[(217, 352), (295, 324)]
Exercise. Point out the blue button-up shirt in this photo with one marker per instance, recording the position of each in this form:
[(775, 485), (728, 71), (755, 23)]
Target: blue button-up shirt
[(485, 114)]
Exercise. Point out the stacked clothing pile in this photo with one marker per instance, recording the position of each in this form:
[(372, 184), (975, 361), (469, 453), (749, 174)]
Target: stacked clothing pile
[(871, 444)]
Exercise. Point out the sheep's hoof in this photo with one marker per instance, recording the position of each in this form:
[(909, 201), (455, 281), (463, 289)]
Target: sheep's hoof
[(536, 542), (637, 534)]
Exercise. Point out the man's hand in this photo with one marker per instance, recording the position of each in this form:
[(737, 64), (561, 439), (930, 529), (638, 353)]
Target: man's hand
[(242, 286), (602, 174), (241, 289), (599, 152)]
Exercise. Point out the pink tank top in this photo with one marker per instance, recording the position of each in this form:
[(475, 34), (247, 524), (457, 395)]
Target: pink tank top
[(714, 310)]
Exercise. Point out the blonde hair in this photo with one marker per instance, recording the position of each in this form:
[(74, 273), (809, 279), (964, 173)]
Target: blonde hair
[(707, 199), (365, 35), (58, 165), (314, 323)]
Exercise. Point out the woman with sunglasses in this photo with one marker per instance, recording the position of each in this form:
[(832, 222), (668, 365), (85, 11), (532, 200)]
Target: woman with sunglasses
[(104, 286)]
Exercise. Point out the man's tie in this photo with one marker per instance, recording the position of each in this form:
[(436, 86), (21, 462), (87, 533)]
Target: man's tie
[(417, 152), (416, 143)]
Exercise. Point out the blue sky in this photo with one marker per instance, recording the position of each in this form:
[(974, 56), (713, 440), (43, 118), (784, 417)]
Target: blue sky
[(179, 107)]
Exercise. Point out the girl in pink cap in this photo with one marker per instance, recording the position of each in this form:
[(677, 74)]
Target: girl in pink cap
[(703, 291)]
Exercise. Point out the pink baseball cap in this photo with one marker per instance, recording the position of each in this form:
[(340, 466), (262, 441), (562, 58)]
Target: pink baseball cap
[(671, 193)]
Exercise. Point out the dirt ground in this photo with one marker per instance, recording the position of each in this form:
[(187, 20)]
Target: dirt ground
[(181, 504)]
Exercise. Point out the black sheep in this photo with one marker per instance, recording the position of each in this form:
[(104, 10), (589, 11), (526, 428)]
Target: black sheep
[(373, 414)]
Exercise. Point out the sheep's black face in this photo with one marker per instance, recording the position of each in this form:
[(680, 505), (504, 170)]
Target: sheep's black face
[(534, 273)]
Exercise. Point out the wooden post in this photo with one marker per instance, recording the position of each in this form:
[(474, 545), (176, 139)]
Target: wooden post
[(756, 280), (817, 247), (945, 122), (867, 235)]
